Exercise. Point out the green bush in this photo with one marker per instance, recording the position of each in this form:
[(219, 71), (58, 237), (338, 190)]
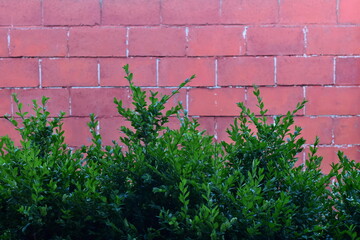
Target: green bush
[(162, 183)]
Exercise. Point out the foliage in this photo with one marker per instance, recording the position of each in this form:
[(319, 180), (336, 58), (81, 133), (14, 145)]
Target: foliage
[(162, 183)]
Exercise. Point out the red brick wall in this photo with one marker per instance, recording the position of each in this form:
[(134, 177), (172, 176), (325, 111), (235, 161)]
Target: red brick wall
[(73, 51)]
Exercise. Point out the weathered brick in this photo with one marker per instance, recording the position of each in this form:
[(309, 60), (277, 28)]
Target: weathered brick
[(315, 126), (346, 130), (70, 12), (134, 12), (349, 11), (347, 71), (77, 132), (97, 41), (333, 101), (215, 102), (67, 72), (112, 73), (4, 52), (59, 99), (157, 41), (244, 12), (5, 99), (275, 41), (38, 42), (278, 100), (216, 41), (190, 11), (87, 100), (245, 71), (19, 72), (333, 40), (307, 11), (20, 12), (174, 71), (304, 70)]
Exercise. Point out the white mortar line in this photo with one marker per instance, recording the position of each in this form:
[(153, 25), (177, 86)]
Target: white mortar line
[(127, 41), (40, 73), (216, 72)]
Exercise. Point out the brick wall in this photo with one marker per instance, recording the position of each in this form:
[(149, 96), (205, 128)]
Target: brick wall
[(73, 51)]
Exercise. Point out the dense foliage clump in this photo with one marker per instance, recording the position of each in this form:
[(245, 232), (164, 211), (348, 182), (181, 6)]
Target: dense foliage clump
[(162, 183)]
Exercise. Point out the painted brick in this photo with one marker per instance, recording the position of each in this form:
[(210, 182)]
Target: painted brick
[(174, 71), (59, 99), (3, 43), (172, 102), (333, 101), (275, 41), (333, 40), (215, 102), (20, 12), (5, 99), (70, 12), (86, 100), (6, 128), (77, 132), (307, 11), (112, 73), (96, 41), (242, 12), (278, 100), (38, 42), (66, 72), (347, 71), (110, 129), (216, 41), (346, 130), (134, 12), (190, 11), (304, 70), (157, 41), (312, 127), (18, 72), (349, 11), (245, 71)]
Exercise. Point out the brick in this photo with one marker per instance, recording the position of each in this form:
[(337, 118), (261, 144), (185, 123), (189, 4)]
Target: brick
[(207, 124), (307, 11), (216, 41), (243, 12), (215, 102), (70, 12), (3, 43), (7, 129), (67, 72), (190, 11), (275, 41), (173, 71), (5, 99), (96, 41), (77, 132), (86, 100), (20, 12), (347, 71), (346, 130), (112, 73), (110, 129), (222, 124), (349, 11), (135, 12), (59, 100), (315, 126), (304, 70), (333, 101), (19, 72), (278, 100), (172, 102), (157, 41), (333, 40), (38, 42), (245, 71)]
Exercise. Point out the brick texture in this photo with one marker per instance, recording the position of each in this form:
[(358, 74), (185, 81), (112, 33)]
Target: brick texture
[(73, 51)]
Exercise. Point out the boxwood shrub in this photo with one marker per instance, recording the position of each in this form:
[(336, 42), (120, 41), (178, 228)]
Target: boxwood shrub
[(161, 183)]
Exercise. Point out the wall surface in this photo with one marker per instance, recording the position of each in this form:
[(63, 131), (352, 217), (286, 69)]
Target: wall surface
[(72, 51)]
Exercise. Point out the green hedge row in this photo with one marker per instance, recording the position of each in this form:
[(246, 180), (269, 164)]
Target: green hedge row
[(162, 183)]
